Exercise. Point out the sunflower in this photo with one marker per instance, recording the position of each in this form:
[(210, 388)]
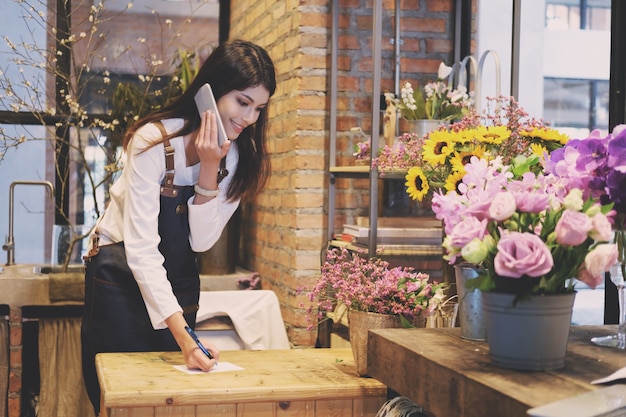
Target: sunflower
[(549, 135), (437, 147), (417, 183), (492, 134), (454, 179), (538, 150), (459, 159), (463, 136)]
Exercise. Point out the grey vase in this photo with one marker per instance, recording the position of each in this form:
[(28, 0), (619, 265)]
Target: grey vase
[(471, 314), (531, 335)]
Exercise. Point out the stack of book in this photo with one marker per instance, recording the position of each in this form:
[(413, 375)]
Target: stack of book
[(408, 241), (395, 231)]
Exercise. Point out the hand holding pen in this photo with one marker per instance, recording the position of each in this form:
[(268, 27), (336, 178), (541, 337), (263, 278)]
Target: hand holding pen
[(202, 348)]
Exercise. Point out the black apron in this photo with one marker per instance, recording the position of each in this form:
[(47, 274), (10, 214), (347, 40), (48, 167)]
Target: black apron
[(115, 318)]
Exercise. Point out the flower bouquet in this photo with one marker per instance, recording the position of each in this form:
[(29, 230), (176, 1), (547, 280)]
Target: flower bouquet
[(374, 295), (532, 233), (597, 165), (437, 161), (438, 101), (372, 286)]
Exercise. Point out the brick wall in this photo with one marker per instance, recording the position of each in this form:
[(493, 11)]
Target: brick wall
[(285, 230)]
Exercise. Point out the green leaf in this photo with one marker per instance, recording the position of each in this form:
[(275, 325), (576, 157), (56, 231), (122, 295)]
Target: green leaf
[(482, 283), (405, 323), (420, 103)]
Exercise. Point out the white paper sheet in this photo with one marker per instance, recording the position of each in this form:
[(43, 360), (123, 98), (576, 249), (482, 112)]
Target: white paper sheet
[(220, 367), (603, 402), (619, 374)]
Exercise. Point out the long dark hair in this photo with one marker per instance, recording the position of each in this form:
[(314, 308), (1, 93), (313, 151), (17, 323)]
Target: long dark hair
[(235, 65)]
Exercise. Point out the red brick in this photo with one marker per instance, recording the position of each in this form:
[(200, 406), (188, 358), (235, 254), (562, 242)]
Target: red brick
[(439, 6)]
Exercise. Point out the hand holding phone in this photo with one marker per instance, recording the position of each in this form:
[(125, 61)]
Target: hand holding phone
[(205, 100)]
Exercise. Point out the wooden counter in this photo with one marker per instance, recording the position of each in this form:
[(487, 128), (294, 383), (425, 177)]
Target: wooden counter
[(450, 376), (297, 382)]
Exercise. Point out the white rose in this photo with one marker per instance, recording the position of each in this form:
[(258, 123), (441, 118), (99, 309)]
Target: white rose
[(443, 71), (600, 259), (502, 206), (574, 200), (602, 229)]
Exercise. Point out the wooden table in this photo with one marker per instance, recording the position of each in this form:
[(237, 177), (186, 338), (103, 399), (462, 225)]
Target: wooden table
[(296, 382), (451, 376)]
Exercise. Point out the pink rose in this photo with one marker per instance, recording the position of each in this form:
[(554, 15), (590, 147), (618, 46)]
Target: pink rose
[(602, 229), (502, 206), (478, 209), (522, 254), (600, 259), (531, 202), (573, 228), (587, 278), (466, 230)]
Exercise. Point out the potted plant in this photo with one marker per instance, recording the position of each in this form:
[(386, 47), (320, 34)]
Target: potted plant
[(371, 291), (533, 234), (436, 162), (437, 102)]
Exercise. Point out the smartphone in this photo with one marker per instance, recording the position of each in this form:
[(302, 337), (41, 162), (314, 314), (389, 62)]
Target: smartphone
[(206, 101)]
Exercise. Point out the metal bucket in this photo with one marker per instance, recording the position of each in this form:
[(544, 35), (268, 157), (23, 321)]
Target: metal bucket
[(471, 316)]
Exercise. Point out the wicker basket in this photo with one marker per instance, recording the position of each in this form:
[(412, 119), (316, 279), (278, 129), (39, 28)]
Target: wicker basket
[(360, 322)]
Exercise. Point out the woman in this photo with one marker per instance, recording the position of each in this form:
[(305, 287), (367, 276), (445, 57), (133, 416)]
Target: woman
[(142, 282)]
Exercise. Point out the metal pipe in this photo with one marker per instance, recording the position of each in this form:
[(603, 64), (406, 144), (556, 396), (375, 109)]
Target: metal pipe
[(377, 31), (9, 246)]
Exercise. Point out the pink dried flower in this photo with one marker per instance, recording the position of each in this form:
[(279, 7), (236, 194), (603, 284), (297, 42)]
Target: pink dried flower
[(373, 286)]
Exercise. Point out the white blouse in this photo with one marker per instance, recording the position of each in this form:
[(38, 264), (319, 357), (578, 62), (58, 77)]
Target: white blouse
[(133, 211)]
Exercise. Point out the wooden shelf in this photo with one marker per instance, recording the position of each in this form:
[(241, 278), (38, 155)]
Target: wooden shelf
[(363, 171), (393, 250)]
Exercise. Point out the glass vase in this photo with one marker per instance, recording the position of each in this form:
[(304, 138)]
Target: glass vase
[(617, 272)]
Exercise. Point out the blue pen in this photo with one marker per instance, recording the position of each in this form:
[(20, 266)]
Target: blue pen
[(198, 342)]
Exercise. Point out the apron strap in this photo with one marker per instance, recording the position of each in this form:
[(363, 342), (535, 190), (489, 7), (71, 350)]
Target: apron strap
[(168, 188)]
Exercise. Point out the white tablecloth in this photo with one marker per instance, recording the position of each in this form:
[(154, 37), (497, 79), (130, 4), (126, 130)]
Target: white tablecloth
[(254, 313)]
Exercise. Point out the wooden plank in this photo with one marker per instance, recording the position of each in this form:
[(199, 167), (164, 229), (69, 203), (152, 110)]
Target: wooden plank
[(131, 412), (149, 378), (444, 366), (367, 406), (265, 409), (333, 408), (295, 409), (179, 411), (222, 410)]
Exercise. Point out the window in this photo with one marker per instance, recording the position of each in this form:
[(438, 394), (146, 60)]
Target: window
[(578, 14), (27, 79), (581, 104)]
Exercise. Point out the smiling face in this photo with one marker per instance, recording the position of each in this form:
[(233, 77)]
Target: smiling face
[(240, 109)]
